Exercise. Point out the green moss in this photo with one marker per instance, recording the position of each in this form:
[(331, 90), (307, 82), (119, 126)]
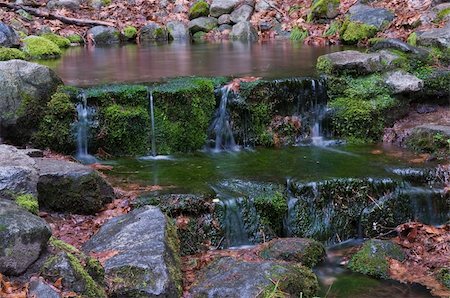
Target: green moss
[(125, 130), (412, 39), (60, 245), (296, 281), (353, 32), (372, 259), (333, 29), (40, 48), (130, 32), (321, 8), (199, 36), (10, 53), (441, 15), (199, 9), (298, 34), (272, 208), (174, 266), (75, 38), (106, 2), (28, 202), (443, 276), (92, 289), (55, 128), (60, 41), (424, 140), (324, 65)]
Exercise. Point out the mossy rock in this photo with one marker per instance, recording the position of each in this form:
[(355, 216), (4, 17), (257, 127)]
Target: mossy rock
[(353, 32), (199, 9), (373, 257), (60, 41), (125, 95), (40, 48), (11, 53), (433, 139), (324, 9), (75, 38), (28, 202), (130, 32), (271, 208)]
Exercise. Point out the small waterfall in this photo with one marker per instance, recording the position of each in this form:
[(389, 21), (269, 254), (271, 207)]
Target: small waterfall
[(221, 127), (233, 223), (85, 114), (318, 113), (152, 117)]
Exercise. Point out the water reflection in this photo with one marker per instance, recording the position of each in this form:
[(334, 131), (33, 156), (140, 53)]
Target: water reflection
[(84, 66)]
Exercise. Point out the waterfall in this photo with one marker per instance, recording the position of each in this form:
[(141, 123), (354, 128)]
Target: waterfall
[(84, 118), (318, 113), (221, 127), (152, 117)]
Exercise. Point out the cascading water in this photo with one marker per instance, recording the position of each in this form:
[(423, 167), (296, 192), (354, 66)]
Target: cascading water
[(221, 127), (85, 114), (318, 113)]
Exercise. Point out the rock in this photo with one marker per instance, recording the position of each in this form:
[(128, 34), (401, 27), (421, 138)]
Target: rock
[(263, 5), (426, 108), (324, 9), (177, 30), (228, 277), (356, 62), (199, 9), (244, 31), (38, 288), (153, 32), (22, 238), (204, 24), (241, 14), (147, 259), (69, 4), (104, 35), (402, 82), (397, 44), (71, 187), (19, 80), (224, 27), (32, 152), (18, 174), (435, 37), (300, 250), (8, 37), (372, 258), (220, 7), (224, 19), (378, 17)]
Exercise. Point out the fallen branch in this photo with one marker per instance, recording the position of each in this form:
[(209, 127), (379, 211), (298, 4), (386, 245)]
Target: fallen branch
[(52, 16)]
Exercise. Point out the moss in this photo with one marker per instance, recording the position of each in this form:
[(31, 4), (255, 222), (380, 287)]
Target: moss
[(126, 95), (372, 259), (298, 34), (60, 41), (28, 202), (75, 38), (441, 15), (199, 9), (11, 53), (55, 128), (333, 29), (355, 31), (412, 39), (296, 281), (321, 9), (199, 36), (272, 208), (60, 245), (422, 140), (125, 130), (174, 264), (443, 276), (324, 65), (92, 289), (40, 48), (130, 32)]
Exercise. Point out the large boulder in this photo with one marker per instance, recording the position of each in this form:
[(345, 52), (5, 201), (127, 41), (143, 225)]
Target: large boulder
[(153, 32), (23, 81), (242, 14), (203, 24), (145, 261), (8, 37), (22, 238), (228, 277), (356, 62), (71, 187), (244, 31), (18, 174), (104, 35), (402, 82), (435, 37), (377, 17), (177, 30), (220, 7)]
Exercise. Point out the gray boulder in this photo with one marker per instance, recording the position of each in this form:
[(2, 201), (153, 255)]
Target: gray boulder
[(220, 7), (103, 35), (378, 17), (147, 262), (22, 238), (356, 62), (241, 14), (71, 187), (177, 30), (435, 37), (40, 289), (225, 27), (224, 19), (8, 37), (19, 80), (69, 4), (204, 24), (153, 32), (18, 173), (397, 44), (402, 82), (244, 31), (228, 277)]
